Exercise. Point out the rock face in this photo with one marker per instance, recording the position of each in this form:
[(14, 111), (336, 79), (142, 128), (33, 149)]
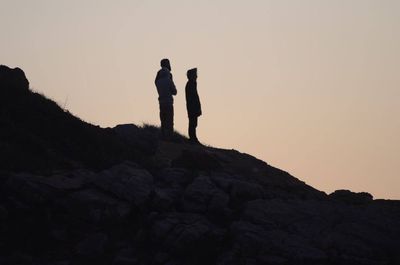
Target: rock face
[(133, 215), (177, 204), (351, 197), (13, 81)]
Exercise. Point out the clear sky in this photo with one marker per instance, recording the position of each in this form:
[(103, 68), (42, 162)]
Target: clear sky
[(310, 86)]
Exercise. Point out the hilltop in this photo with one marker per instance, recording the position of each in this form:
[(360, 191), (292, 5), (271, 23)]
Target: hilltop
[(75, 193)]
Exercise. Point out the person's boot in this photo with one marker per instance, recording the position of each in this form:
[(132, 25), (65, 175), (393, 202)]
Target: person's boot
[(194, 141)]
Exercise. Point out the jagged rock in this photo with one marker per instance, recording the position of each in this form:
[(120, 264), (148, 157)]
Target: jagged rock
[(171, 183), (239, 188), (185, 234), (3, 214), (94, 206), (351, 197), (174, 262), (175, 177), (255, 241), (126, 257), (63, 183), (30, 189), (270, 214), (93, 246), (12, 80), (272, 260), (262, 230), (203, 196), (3, 227), (249, 239), (161, 258), (127, 182), (228, 258), (18, 257), (223, 180), (61, 262), (59, 234), (162, 201), (143, 140)]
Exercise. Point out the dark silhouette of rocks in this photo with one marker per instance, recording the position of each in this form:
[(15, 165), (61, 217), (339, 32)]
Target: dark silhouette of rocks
[(137, 200), (351, 197), (38, 135), (13, 81)]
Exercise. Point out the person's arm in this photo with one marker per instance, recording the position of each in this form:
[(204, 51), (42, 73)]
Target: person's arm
[(198, 102), (157, 77), (172, 87)]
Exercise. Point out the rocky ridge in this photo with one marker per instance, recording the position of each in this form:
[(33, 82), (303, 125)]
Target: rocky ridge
[(170, 202)]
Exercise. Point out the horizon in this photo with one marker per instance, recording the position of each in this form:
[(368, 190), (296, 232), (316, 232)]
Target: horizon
[(311, 88)]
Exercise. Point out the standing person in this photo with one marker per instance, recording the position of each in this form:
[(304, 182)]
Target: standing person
[(193, 105), (166, 90)]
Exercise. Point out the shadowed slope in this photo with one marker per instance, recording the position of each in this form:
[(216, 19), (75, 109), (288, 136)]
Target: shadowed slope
[(36, 134)]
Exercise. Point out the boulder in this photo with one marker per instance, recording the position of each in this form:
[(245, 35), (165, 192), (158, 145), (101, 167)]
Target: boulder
[(202, 196), (185, 234), (350, 197), (3, 214), (92, 246), (126, 256), (274, 245), (141, 139), (13, 80), (94, 206), (163, 200), (127, 182), (30, 189), (174, 177)]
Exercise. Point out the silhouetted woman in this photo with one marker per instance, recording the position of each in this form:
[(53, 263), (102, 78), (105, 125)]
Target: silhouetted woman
[(193, 105)]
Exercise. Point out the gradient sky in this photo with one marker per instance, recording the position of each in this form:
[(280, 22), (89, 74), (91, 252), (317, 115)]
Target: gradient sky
[(310, 86)]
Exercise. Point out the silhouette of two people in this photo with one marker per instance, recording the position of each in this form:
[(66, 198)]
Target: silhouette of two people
[(166, 91)]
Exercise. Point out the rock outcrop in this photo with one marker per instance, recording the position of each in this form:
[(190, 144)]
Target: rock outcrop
[(174, 203)]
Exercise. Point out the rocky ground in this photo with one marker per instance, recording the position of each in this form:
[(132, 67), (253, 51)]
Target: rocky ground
[(195, 205), (145, 201)]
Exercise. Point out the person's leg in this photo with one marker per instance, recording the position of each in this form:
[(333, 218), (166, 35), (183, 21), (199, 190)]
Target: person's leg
[(195, 127), (163, 119), (192, 128), (169, 121), (171, 130)]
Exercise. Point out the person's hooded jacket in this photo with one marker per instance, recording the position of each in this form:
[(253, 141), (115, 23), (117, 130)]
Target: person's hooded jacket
[(193, 105)]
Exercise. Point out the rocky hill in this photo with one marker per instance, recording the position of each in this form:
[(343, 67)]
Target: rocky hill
[(74, 193)]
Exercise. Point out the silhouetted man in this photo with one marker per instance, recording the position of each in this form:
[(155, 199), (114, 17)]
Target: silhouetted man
[(166, 90), (193, 105)]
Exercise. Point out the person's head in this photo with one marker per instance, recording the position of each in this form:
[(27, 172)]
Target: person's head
[(165, 63), (192, 74)]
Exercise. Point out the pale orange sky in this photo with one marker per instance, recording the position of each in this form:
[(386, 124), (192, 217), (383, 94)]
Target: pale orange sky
[(310, 86)]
